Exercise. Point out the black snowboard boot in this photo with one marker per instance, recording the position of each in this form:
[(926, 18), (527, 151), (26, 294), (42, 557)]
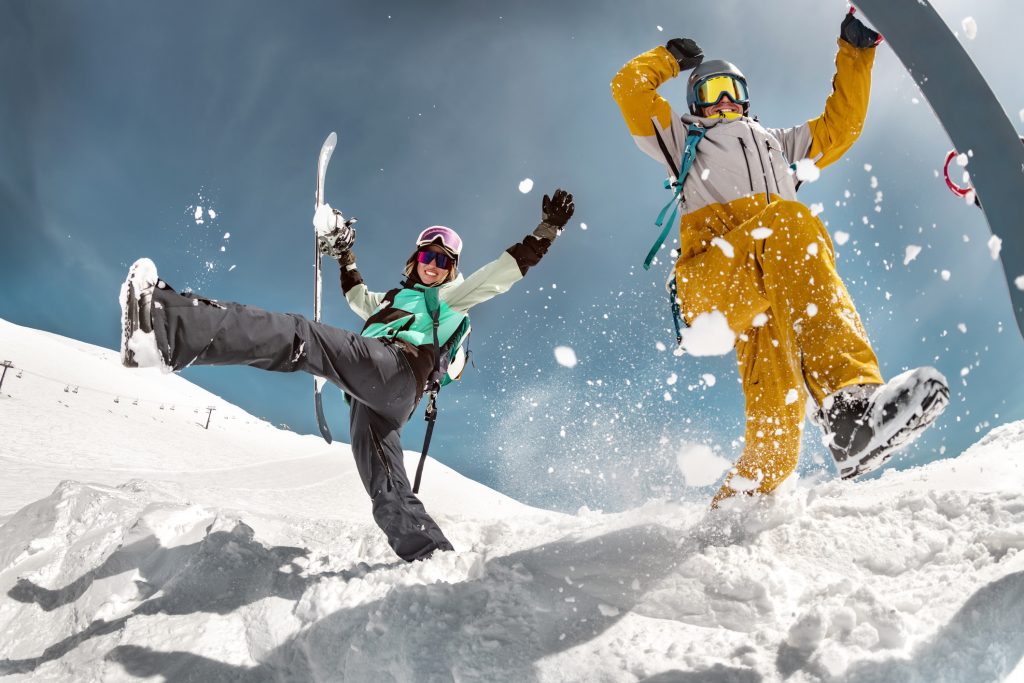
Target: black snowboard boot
[(138, 343), (864, 425)]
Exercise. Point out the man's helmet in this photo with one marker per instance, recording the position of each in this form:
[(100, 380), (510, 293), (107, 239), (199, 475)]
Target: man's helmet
[(712, 80)]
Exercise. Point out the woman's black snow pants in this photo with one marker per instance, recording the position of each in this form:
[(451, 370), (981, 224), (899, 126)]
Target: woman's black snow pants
[(194, 331)]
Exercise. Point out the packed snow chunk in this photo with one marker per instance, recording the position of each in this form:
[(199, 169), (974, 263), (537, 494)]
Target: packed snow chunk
[(583, 226), (211, 213), (842, 237), (911, 253), (812, 310), (995, 245), (227, 236), (709, 335), (323, 219), (672, 379), (724, 246), (961, 159), (667, 396), (812, 249), (525, 185), (705, 173), (807, 171), (761, 233), (817, 208), (970, 28), (660, 28), (760, 320), (1019, 282), (741, 484), (565, 356), (792, 396), (709, 379), (945, 275), (700, 466)]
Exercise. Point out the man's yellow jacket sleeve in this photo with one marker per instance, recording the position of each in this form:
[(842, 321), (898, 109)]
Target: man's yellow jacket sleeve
[(846, 108)]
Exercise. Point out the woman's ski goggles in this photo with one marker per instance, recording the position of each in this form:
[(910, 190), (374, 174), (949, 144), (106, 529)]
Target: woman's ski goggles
[(448, 238), (711, 90), (443, 261)]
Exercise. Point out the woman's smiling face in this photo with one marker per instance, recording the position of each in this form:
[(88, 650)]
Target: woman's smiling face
[(429, 273)]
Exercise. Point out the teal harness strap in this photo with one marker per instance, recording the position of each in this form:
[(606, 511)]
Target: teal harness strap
[(694, 134)]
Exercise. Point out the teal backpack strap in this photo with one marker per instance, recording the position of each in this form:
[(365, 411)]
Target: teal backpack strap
[(694, 134)]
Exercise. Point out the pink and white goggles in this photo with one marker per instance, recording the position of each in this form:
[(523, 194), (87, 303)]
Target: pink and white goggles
[(448, 238)]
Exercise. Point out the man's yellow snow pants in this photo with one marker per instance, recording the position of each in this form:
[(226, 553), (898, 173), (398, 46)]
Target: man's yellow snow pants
[(774, 278)]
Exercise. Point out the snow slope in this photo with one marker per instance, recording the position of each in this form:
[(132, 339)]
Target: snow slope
[(137, 544)]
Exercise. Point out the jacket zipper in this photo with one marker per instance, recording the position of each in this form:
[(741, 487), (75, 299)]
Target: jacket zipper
[(750, 173), (778, 189), (383, 459), (764, 171)]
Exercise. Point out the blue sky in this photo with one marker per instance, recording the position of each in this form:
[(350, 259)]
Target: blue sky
[(121, 118)]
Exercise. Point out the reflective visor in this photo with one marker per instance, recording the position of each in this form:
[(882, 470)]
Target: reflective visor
[(712, 89), (448, 238), (443, 261)]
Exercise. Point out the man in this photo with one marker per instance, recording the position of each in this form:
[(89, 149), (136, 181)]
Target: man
[(753, 255)]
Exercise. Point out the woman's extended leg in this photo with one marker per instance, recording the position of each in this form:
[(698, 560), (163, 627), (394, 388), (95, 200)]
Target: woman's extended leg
[(191, 330)]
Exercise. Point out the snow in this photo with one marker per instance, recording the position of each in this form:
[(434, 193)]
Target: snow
[(525, 185), (1019, 282), (911, 253), (565, 356), (700, 466), (726, 248), (761, 233), (709, 379), (995, 245), (945, 274), (807, 171), (970, 28), (137, 545), (842, 237), (709, 335)]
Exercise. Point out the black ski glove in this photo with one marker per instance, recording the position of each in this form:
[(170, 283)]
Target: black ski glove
[(555, 213), (857, 34), (339, 237), (686, 52)]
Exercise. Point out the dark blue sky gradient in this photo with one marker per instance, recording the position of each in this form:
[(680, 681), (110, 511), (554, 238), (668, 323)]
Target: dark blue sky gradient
[(119, 118)]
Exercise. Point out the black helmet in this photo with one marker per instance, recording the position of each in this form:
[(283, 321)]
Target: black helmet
[(734, 85)]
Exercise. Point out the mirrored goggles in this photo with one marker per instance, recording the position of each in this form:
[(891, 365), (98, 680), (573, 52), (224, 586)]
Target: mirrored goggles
[(712, 89), (448, 238), (443, 261)]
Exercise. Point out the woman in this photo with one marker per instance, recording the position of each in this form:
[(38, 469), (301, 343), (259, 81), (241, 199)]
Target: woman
[(384, 370)]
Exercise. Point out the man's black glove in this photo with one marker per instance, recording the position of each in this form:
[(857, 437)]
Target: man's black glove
[(857, 34), (686, 52), (555, 213)]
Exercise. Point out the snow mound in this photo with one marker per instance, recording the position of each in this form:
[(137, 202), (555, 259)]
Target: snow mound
[(273, 570)]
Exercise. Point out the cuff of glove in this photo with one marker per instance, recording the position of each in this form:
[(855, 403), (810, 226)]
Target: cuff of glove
[(547, 231), (347, 259)]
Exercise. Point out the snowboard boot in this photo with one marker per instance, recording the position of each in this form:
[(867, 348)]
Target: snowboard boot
[(138, 343), (865, 424)]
